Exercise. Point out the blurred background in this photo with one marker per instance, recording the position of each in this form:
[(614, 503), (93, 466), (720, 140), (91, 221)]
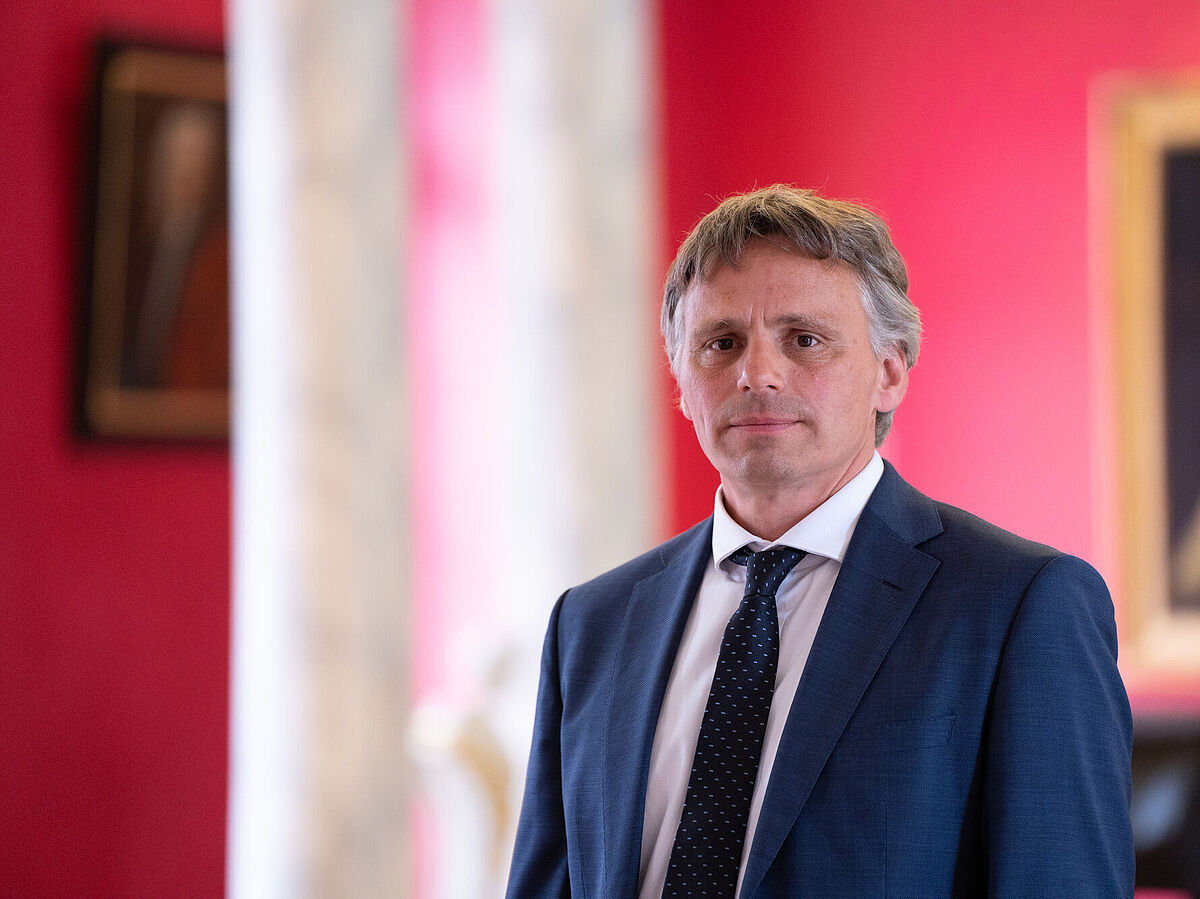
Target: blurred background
[(545, 160)]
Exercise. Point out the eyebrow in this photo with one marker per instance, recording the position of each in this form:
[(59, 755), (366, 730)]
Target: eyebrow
[(807, 322), (803, 322)]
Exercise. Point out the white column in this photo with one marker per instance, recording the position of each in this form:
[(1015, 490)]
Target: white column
[(318, 779), (578, 209), (576, 239), (539, 357)]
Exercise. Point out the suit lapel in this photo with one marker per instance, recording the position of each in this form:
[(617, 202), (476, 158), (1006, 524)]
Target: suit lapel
[(650, 634), (881, 579)]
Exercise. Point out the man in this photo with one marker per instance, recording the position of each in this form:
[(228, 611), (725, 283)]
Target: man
[(886, 696)]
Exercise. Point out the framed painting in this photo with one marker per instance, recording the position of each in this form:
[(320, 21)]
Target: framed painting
[(1156, 208), (155, 342)]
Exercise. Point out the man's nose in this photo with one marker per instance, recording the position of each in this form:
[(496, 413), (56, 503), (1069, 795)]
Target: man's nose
[(761, 367)]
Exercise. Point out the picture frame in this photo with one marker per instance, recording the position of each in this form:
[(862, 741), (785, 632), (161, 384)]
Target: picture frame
[(154, 345), (1156, 254)]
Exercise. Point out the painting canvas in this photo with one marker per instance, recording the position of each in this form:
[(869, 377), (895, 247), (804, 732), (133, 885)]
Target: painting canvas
[(155, 352)]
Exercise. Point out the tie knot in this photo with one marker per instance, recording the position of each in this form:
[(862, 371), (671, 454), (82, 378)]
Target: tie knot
[(766, 570)]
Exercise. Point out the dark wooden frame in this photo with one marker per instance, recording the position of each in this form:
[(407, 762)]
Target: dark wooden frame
[(154, 354)]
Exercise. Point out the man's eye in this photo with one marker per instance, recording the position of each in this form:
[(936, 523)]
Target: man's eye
[(806, 340), (723, 343)]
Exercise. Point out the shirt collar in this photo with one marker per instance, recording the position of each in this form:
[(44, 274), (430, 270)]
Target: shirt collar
[(825, 531)]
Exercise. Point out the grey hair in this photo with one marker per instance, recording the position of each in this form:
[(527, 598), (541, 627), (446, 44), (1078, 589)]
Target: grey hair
[(814, 226)]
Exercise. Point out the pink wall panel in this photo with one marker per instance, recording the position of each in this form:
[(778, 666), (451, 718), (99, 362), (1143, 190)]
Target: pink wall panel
[(966, 125)]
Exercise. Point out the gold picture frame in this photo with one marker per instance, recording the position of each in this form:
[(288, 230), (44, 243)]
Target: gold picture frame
[(1156, 194), (155, 342)]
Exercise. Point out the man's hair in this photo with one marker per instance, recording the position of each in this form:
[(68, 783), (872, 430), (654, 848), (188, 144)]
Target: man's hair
[(813, 226)]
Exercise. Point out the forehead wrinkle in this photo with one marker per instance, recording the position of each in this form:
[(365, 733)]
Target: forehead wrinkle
[(733, 307)]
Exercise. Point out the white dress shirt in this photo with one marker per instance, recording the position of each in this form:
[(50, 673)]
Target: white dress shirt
[(824, 534)]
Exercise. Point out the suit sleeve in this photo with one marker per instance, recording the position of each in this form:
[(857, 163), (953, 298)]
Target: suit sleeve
[(1057, 763), (539, 864)]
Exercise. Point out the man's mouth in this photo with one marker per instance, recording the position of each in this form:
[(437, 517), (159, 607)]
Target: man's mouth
[(762, 423)]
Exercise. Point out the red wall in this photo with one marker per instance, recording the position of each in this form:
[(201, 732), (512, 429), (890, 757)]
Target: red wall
[(966, 125), (114, 560)]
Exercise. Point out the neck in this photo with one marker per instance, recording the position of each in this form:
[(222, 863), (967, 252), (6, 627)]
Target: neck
[(770, 510)]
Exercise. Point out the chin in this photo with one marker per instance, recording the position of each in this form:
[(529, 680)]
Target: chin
[(768, 474)]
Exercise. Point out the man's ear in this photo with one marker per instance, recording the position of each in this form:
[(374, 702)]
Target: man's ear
[(893, 380), (684, 409)]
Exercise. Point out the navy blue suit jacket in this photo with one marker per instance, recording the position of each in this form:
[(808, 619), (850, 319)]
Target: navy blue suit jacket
[(960, 728)]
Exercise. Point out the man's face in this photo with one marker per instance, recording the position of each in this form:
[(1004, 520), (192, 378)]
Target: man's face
[(777, 373)]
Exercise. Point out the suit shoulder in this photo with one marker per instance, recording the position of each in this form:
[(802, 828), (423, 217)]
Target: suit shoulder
[(590, 614), (947, 532), (962, 527), (619, 581), (978, 546)]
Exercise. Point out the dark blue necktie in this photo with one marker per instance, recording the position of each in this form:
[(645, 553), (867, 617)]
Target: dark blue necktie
[(707, 851)]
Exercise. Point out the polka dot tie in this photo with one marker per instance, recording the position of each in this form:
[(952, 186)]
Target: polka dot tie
[(707, 852)]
